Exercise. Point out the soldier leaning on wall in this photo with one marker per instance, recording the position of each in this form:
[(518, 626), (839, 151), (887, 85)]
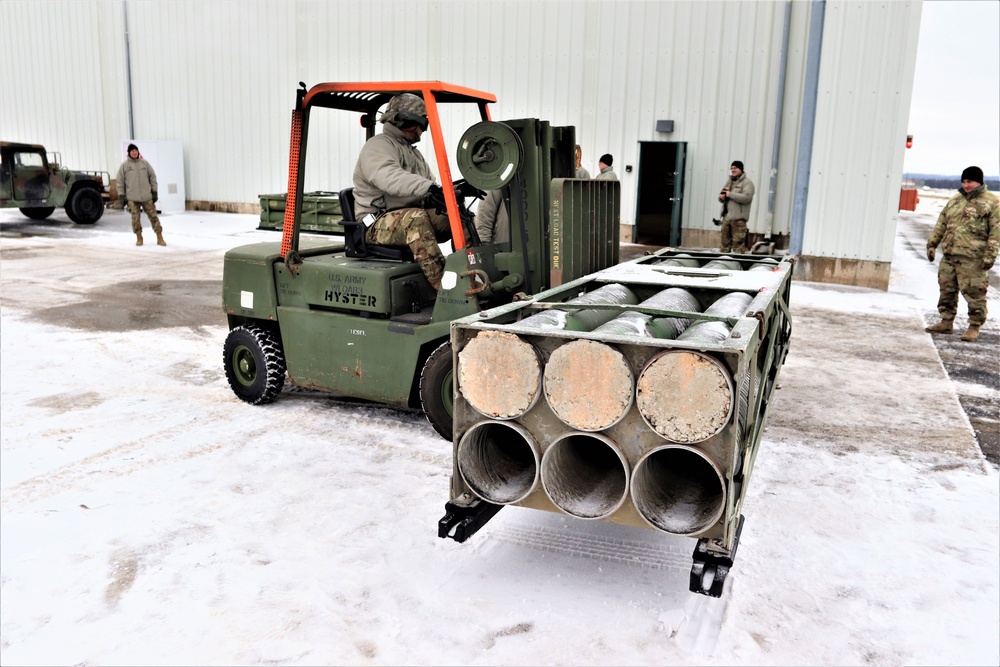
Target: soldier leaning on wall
[(968, 231)]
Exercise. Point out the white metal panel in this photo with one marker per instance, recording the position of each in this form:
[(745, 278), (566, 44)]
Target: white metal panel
[(864, 98)]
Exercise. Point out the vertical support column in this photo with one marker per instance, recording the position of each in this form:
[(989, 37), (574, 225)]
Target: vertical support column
[(291, 202)]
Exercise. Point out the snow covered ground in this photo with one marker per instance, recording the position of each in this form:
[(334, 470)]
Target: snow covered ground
[(150, 517)]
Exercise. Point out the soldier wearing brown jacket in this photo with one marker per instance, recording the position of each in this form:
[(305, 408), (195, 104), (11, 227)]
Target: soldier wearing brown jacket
[(136, 183), (736, 195), (968, 230)]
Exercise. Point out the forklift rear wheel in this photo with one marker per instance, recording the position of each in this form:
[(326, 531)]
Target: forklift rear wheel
[(255, 364), (39, 213), (436, 393)]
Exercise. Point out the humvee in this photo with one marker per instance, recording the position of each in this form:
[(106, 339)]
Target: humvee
[(36, 186)]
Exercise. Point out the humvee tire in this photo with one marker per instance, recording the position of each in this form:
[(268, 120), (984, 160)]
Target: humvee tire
[(85, 206), (436, 395), (39, 213), (255, 364)]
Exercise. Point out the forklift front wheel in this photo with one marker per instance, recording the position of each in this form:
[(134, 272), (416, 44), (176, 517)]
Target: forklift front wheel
[(436, 393), (255, 364)]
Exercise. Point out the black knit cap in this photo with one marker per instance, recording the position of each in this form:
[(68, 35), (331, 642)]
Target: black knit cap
[(130, 147), (737, 164), (973, 174), (607, 159)]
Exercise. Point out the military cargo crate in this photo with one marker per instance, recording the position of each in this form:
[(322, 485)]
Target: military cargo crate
[(637, 394), (320, 212)]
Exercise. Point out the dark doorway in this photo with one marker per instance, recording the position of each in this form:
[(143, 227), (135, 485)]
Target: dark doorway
[(661, 187)]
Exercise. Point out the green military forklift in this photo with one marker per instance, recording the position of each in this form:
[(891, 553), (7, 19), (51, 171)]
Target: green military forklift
[(361, 321)]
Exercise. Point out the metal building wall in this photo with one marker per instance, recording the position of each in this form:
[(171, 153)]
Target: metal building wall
[(863, 106), (63, 79), (221, 77)]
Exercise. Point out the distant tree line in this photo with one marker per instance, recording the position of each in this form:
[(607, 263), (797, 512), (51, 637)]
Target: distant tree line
[(939, 182)]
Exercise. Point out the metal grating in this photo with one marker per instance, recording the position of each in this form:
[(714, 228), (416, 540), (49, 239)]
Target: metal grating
[(583, 228)]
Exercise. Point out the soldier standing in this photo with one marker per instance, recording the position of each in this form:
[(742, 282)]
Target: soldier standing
[(492, 219), (136, 182), (580, 172), (968, 230), (607, 173), (392, 180), (736, 196)]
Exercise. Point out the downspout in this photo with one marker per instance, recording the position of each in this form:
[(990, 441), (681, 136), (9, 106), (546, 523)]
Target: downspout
[(772, 187), (128, 72), (809, 95)]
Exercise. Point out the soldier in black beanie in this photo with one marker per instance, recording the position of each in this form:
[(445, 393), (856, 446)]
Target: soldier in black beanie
[(968, 230)]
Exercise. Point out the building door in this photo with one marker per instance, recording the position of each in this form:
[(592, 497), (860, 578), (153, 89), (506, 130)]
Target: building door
[(661, 187)]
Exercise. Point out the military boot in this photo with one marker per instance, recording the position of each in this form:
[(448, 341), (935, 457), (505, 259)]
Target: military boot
[(944, 326), (971, 334), (138, 238), (159, 239)]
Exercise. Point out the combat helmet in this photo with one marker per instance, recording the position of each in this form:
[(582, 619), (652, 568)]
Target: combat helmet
[(405, 107)]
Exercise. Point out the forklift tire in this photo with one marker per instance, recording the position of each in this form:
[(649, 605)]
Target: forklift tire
[(39, 213), (85, 206), (436, 392), (255, 364)]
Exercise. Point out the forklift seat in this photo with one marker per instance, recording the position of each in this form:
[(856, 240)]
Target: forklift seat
[(354, 235)]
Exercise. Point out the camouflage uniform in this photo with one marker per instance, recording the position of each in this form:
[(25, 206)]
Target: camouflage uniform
[(968, 231), (735, 213), (418, 228), (392, 179), (136, 183)]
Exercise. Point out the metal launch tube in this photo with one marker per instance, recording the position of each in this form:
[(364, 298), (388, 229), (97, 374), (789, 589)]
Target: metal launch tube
[(733, 304), (585, 475), (684, 395), (499, 461), (725, 263), (679, 490), (649, 326), (766, 264), (588, 385), (500, 374), (685, 260), (582, 320)]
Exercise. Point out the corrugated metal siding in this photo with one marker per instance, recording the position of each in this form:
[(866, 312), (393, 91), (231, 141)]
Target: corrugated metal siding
[(61, 80), (864, 101), (221, 77)]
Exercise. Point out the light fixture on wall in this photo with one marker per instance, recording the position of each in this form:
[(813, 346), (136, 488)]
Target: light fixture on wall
[(664, 126)]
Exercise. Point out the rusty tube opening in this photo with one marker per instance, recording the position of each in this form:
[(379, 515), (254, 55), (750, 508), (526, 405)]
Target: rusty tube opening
[(498, 461), (500, 374), (684, 395), (585, 475), (679, 490), (588, 385)]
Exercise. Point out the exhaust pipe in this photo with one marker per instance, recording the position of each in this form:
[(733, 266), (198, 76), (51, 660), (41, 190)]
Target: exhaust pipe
[(585, 475), (498, 461), (500, 374), (679, 490), (684, 395), (588, 385)]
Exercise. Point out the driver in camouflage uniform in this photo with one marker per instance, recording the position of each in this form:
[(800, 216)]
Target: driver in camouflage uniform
[(968, 231), (392, 180)]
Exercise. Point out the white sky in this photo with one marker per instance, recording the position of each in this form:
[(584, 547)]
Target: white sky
[(955, 111)]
